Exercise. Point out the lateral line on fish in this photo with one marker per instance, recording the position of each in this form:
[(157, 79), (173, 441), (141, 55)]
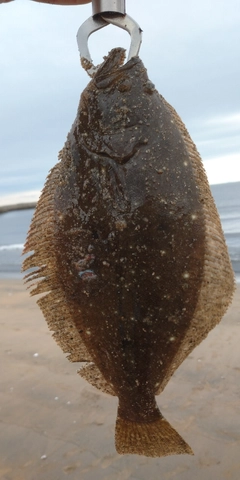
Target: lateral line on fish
[(117, 323)]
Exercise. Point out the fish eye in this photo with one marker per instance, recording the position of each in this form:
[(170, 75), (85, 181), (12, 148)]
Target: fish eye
[(125, 86), (149, 87)]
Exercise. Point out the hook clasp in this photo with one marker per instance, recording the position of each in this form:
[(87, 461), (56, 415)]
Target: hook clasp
[(107, 12)]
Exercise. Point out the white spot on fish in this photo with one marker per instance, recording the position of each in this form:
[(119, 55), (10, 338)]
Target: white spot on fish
[(121, 225), (186, 275), (106, 264)]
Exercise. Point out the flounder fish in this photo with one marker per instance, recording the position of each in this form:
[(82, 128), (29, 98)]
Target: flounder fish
[(128, 248)]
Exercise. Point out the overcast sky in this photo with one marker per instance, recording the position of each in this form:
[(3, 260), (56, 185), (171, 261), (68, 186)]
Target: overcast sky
[(190, 48)]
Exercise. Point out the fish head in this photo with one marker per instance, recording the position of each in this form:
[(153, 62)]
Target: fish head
[(115, 108)]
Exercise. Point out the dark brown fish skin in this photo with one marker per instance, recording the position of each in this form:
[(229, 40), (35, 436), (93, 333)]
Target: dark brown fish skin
[(138, 224), (128, 238)]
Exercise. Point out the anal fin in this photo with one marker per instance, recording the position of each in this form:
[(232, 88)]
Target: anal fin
[(93, 376)]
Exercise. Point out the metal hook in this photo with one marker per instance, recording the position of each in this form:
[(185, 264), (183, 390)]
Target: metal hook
[(101, 19)]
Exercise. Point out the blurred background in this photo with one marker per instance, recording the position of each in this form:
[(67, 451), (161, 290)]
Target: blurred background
[(191, 52)]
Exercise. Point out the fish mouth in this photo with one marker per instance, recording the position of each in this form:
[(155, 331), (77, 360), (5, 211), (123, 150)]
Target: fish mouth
[(112, 67)]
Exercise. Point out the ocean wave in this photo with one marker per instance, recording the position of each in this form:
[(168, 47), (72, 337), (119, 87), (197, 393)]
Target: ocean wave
[(16, 246), (22, 198), (235, 256), (230, 216), (233, 231)]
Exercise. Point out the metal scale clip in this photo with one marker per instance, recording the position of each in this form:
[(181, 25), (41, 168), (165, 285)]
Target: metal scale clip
[(105, 12)]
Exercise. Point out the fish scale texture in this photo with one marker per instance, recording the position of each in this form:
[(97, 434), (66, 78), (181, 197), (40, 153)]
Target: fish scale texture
[(99, 314), (55, 309), (217, 286)]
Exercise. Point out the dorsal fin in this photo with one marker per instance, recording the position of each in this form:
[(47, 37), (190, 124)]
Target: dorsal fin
[(45, 279)]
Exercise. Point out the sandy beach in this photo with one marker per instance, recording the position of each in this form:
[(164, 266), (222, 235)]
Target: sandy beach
[(55, 426)]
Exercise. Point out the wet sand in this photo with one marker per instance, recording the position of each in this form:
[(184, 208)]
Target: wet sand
[(55, 426)]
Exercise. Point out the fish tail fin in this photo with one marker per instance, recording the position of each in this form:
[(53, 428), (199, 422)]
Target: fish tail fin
[(155, 439)]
